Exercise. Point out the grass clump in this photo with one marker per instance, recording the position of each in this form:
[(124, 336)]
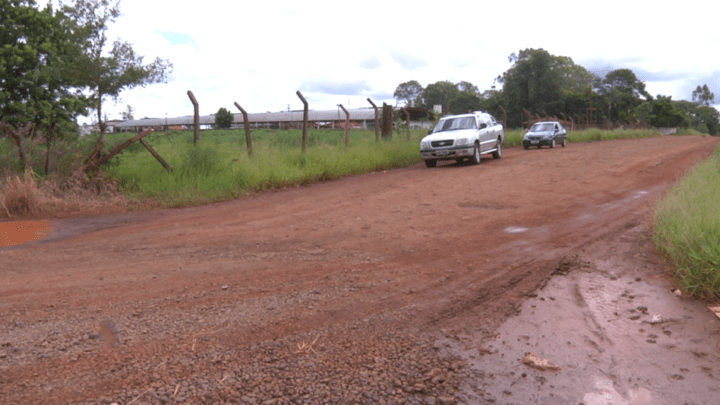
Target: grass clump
[(687, 229), (220, 169)]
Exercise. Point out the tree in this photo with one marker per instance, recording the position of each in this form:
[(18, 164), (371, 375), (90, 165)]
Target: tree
[(711, 118), (665, 114), (35, 90), (106, 72), (440, 93), (127, 115), (703, 96), (468, 87), (622, 91), (224, 118), (408, 92), (535, 83), (465, 102)]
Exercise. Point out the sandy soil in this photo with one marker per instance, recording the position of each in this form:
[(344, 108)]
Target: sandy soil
[(417, 286)]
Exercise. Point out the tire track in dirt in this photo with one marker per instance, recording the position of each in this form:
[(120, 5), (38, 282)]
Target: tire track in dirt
[(377, 262)]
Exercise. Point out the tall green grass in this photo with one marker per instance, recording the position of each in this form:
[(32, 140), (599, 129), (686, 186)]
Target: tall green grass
[(220, 169), (687, 229)]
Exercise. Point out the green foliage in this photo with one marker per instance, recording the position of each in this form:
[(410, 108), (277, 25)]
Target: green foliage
[(535, 83), (687, 229), (440, 93), (408, 92), (464, 102), (33, 58), (128, 115), (105, 72), (665, 114), (200, 162), (703, 96), (221, 170), (223, 118), (622, 91)]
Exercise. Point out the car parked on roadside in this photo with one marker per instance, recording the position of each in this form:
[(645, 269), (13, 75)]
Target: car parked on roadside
[(545, 133), (463, 136)]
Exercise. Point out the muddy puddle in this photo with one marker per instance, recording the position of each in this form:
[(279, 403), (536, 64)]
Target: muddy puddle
[(20, 232), (16, 234), (612, 324)]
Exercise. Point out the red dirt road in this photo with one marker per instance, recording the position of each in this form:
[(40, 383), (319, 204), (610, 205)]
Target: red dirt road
[(322, 294)]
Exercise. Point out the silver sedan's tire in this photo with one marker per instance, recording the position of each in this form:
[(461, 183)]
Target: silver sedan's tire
[(564, 141)]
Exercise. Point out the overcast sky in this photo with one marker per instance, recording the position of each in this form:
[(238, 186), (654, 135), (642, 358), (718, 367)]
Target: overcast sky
[(259, 53)]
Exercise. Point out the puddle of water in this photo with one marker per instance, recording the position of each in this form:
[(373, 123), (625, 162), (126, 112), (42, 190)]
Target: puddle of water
[(17, 233), (608, 396), (515, 229)]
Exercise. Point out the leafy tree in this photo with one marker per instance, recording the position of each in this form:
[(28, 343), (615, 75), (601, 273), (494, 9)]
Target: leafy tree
[(408, 92), (703, 118), (464, 102), (665, 114), (711, 118), (622, 91), (35, 91), (224, 118), (127, 115), (703, 96), (535, 83), (106, 72), (440, 93), (468, 87)]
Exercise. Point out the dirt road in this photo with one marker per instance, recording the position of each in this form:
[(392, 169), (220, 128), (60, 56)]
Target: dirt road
[(370, 289)]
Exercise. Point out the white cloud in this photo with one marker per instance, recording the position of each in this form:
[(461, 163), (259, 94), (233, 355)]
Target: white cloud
[(260, 53)]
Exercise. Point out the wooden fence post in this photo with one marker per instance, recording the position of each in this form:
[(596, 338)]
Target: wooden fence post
[(156, 155), (377, 120), (197, 117), (305, 120), (504, 117), (407, 121), (246, 124), (347, 126), (387, 124), (96, 164)]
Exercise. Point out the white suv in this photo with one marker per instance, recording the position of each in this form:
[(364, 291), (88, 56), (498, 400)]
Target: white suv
[(457, 137)]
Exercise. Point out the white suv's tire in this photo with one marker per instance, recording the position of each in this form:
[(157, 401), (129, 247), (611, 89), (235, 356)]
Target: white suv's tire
[(476, 155), (498, 153)]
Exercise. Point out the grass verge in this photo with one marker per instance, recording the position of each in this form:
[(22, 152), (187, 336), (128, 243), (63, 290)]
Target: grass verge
[(687, 229), (219, 169)]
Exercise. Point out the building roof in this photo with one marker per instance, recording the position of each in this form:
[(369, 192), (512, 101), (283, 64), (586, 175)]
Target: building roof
[(282, 116)]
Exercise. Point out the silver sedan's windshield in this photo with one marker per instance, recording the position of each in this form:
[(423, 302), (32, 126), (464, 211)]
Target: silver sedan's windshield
[(542, 127), (452, 124)]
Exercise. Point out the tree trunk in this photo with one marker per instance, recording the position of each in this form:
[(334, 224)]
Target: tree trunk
[(17, 136)]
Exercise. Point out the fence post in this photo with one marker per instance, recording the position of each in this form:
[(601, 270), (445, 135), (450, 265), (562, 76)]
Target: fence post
[(96, 164), (156, 155), (504, 117), (197, 117), (347, 126), (387, 124), (377, 120), (246, 124), (305, 120), (407, 121)]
